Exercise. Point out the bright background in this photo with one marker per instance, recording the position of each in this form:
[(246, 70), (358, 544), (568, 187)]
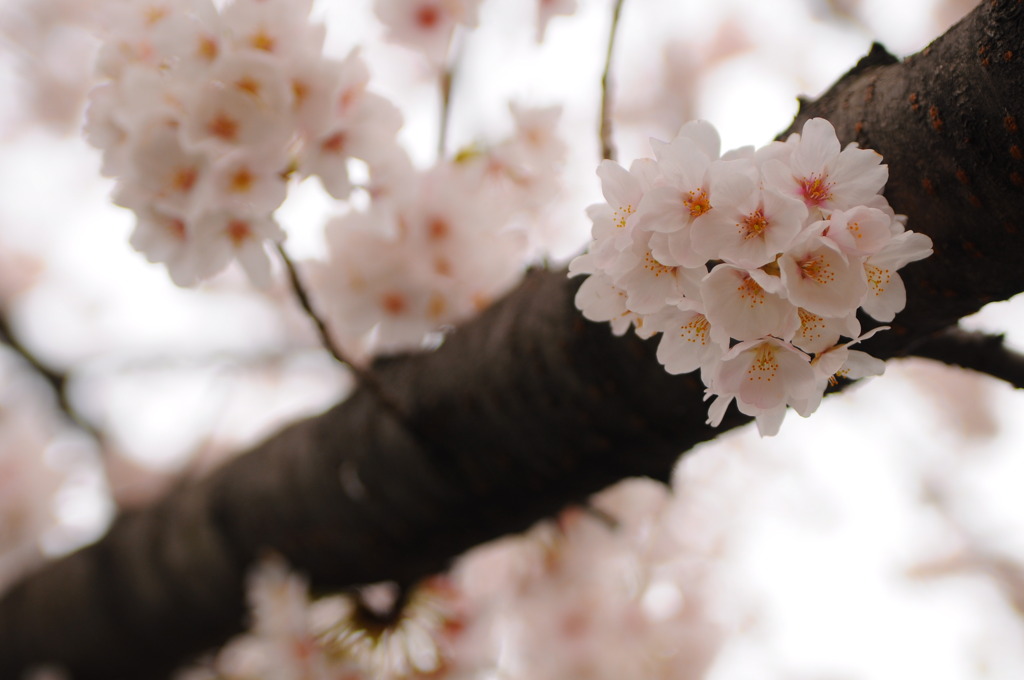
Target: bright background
[(881, 538)]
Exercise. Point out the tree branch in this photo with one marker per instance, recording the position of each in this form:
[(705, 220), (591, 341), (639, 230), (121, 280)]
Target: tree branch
[(977, 351), (528, 408), (57, 381)]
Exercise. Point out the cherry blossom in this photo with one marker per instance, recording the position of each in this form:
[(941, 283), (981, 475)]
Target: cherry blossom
[(204, 116), (752, 264), (820, 278), (886, 295), (687, 342), (598, 299), (740, 307), (861, 230), (764, 376), (680, 195), (623, 190), (650, 285), (821, 174), (426, 26), (749, 225)]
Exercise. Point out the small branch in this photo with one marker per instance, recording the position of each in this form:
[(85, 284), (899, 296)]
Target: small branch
[(603, 516), (364, 377), (977, 351), (58, 382), (607, 146), (446, 82), (447, 78)]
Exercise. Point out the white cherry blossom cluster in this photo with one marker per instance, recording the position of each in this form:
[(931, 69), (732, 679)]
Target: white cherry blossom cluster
[(294, 637), (752, 264), (435, 246), (205, 114)]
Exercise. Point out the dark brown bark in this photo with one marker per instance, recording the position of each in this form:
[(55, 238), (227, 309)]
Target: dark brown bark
[(527, 408)]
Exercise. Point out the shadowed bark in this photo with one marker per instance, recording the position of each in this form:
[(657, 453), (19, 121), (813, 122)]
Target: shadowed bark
[(527, 408)]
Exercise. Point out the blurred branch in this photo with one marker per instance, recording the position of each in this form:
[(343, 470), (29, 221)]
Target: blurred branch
[(446, 82), (605, 132), (976, 351), (364, 377), (975, 553), (57, 381)]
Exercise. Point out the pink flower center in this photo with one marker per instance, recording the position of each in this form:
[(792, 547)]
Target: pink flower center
[(427, 17), (816, 269), (242, 181), (249, 84), (878, 278), (438, 229), (334, 144), (655, 267), (751, 291), (697, 202), (261, 40), (394, 303), (177, 228), (754, 224), (238, 231), (224, 127), (765, 365), (620, 216), (184, 179), (208, 48), (816, 190), (696, 331)]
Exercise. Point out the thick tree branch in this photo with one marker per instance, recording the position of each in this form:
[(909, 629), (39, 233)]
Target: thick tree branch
[(979, 352), (527, 408)]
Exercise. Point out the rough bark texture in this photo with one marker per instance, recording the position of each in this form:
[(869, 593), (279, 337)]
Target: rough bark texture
[(527, 408)]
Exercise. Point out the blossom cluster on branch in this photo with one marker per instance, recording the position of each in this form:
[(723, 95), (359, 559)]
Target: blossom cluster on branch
[(752, 264), (205, 115), (435, 246), (597, 594)]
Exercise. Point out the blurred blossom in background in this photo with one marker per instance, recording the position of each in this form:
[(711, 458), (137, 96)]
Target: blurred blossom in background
[(880, 538)]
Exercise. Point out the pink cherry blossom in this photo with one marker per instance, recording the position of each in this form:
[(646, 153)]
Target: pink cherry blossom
[(739, 307), (426, 26), (686, 342), (650, 285), (886, 294), (797, 238), (816, 333), (822, 175), (860, 230), (749, 226), (598, 299), (820, 278), (764, 376), (680, 196)]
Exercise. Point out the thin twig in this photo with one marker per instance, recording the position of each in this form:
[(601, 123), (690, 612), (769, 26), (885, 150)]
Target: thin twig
[(364, 377), (57, 381), (604, 517), (607, 146), (447, 78), (446, 82), (977, 351)]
